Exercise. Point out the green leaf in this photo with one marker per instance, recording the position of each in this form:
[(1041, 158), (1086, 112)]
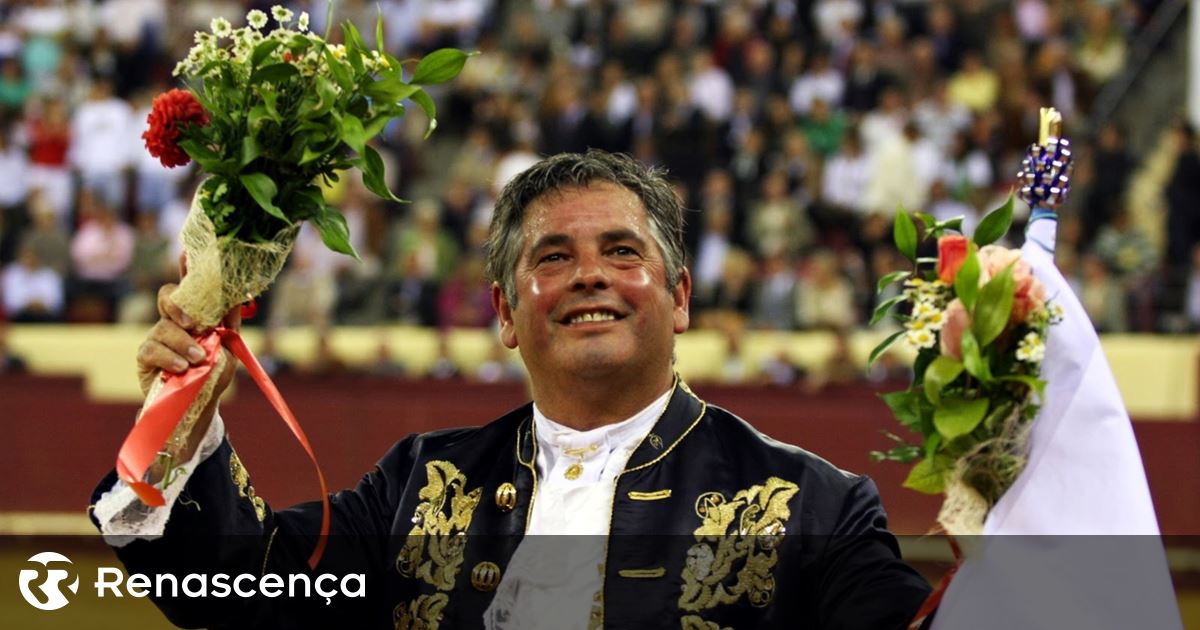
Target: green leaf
[(993, 307), (439, 66), (938, 375), (340, 73), (379, 45), (262, 51), (904, 406), (250, 149), (959, 416), (929, 475), (950, 224), (371, 165), (353, 133), (883, 347), (334, 231), (927, 219), (274, 73), (426, 103), (206, 157), (1036, 384), (354, 46), (973, 359), (884, 307), (263, 190), (905, 234), (891, 278), (966, 282), (390, 91), (995, 225)]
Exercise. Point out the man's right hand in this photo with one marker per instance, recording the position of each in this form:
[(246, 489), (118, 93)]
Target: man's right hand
[(171, 348)]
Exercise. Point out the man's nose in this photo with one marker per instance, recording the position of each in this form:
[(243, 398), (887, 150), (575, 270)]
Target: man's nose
[(590, 274)]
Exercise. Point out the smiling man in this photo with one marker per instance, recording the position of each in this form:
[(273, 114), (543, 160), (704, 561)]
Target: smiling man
[(683, 514)]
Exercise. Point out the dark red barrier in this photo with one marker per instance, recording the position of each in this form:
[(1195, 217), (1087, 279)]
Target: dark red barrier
[(57, 443)]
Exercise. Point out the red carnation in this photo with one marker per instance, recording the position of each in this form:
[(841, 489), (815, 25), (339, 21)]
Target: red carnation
[(170, 113)]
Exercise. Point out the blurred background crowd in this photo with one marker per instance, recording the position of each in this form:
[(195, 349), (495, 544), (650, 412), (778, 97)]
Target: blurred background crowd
[(793, 129)]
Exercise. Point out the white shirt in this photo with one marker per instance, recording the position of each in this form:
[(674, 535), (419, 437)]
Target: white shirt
[(552, 582)]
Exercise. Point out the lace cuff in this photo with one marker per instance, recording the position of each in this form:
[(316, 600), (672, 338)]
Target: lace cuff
[(124, 518)]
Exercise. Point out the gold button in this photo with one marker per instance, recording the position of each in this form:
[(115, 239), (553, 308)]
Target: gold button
[(506, 496), (485, 576)]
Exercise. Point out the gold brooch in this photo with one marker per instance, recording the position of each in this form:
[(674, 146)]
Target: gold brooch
[(506, 496), (575, 470)]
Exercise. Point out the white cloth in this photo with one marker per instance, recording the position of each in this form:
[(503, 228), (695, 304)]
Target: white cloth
[(553, 582), (1084, 476), (124, 518)]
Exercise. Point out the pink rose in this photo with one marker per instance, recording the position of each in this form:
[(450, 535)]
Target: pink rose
[(1028, 293), (952, 253), (957, 322)]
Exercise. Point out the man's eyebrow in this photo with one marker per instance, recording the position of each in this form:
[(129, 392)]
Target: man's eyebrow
[(623, 234)]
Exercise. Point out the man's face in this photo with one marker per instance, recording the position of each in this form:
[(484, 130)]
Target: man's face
[(591, 287)]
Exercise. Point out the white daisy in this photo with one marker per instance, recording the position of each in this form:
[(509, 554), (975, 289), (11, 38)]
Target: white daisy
[(256, 19), (303, 23), (1031, 349), (221, 27), (921, 338), (935, 320), (281, 14)]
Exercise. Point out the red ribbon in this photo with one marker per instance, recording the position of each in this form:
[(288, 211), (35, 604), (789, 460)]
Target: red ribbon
[(935, 598), (158, 422)]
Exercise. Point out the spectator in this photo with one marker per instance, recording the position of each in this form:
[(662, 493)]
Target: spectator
[(32, 291), (821, 81), (100, 252), (48, 137), (465, 300), (46, 236), (845, 179), (1101, 54), (15, 88), (100, 130), (710, 88), (824, 299), (148, 270), (777, 222), (824, 129), (974, 86), (1102, 296), (775, 297)]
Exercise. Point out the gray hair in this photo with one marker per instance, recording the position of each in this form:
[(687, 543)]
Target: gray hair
[(571, 170)]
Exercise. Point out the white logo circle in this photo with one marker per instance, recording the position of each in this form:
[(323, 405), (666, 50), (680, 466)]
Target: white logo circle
[(52, 597)]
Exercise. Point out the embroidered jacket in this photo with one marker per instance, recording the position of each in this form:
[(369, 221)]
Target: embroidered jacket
[(714, 525)]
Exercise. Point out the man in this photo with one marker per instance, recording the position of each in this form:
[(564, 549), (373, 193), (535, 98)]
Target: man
[(701, 520)]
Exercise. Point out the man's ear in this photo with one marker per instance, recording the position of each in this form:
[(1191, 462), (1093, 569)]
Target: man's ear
[(682, 294), (508, 330)]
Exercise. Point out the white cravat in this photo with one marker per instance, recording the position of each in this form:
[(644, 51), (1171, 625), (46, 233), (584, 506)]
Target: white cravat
[(552, 581)]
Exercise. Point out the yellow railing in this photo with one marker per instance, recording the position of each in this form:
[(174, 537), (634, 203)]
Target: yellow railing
[(1157, 375)]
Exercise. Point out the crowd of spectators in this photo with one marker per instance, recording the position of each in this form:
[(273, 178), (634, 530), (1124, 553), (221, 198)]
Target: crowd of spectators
[(793, 129)]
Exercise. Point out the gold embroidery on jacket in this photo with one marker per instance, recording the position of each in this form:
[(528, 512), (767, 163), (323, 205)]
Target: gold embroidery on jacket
[(742, 531), (650, 496), (642, 574), (433, 550), (692, 622), (241, 478), (423, 613)]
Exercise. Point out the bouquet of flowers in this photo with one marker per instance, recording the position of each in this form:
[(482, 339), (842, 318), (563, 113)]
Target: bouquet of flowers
[(977, 318), (268, 116)]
